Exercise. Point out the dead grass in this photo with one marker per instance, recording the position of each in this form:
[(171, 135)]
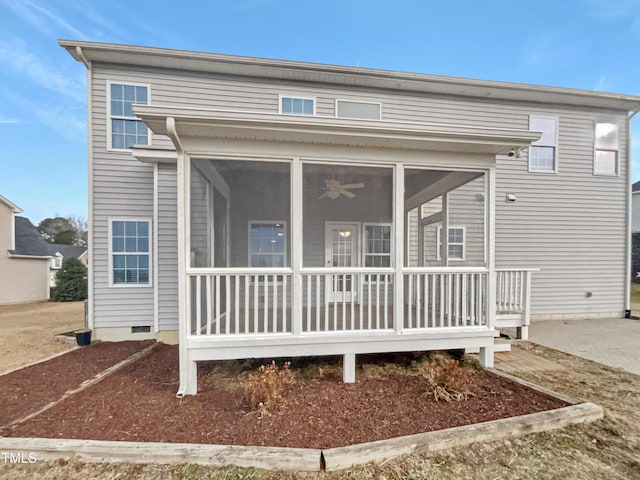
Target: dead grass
[(27, 330), (607, 448), (635, 297)]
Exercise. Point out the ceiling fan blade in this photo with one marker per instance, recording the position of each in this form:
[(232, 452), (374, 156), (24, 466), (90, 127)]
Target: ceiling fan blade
[(347, 193), (353, 185), (324, 195)]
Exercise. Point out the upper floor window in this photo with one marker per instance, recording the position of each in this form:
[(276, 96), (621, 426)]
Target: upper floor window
[(126, 129), (267, 244), (297, 106), (605, 160), (364, 110), (543, 152), (130, 252)]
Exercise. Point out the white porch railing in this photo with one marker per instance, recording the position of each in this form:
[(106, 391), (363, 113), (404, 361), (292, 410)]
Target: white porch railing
[(347, 299), (445, 297), (239, 301), (513, 298)]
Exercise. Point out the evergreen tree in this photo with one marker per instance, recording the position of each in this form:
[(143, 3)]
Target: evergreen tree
[(71, 281)]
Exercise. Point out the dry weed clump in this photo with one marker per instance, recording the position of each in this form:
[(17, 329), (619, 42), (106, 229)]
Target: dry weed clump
[(264, 388), (446, 379)]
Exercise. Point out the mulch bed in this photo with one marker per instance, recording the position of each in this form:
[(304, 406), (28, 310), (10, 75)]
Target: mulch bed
[(138, 403), (26, 390)]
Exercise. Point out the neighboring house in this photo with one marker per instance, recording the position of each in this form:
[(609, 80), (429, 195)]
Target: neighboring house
[(24, 274), (59, 253), (247, 207), (635, 207)]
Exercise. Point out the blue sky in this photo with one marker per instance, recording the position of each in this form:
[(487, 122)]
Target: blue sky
[(587, 44)]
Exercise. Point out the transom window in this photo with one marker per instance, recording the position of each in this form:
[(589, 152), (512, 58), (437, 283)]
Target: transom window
[(605, 161), (377, 245), (130, 252), (297, 106), (542, 153), (267, 244), (126, 129), (456, 243)]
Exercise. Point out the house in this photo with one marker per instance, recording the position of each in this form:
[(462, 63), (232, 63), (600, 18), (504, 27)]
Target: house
[(24, 274), (247, 207), (59, 252)]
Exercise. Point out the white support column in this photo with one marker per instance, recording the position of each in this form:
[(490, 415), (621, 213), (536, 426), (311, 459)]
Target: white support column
[(296, 246), (523, 331), (349, 368), (398, 245), (444, 231), (491, 247), (486, 356)]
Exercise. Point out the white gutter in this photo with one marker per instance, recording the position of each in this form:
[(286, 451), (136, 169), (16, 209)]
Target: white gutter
[(90, 235), (629, 243), (35, 257)]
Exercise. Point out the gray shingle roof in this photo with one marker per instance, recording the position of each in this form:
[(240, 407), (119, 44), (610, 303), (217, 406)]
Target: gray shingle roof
[(30, 242), (636, 187)]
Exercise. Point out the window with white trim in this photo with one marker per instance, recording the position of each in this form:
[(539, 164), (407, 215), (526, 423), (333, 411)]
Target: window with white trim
[(267, 244), (126, 129), (543, 152), (130, 252), (297, 106), (364, 110), (456, 243), (605, 160), (377, 245)]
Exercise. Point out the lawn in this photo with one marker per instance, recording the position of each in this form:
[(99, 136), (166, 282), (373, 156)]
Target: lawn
[(27, 331), (635, 297), (604, 449)]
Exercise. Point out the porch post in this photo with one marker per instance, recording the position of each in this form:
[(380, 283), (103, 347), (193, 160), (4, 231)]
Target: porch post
[(486, 353), (296, 245), (188, 374), (444, 231), (398, 245)]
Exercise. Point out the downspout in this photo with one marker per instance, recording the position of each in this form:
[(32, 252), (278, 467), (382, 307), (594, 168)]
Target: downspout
[(182, 273), (89, 320), (629, 246)]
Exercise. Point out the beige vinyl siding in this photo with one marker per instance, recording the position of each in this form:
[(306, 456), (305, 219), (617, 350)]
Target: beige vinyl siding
[(570, 224), (167, 248)]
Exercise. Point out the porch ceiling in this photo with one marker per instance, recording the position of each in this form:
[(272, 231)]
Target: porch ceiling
[(254, 126)]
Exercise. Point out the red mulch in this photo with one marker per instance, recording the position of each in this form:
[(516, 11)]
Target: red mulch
[(138, 403), (26, 390)]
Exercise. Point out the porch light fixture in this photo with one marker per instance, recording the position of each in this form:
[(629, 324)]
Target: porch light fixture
[(345, 233)]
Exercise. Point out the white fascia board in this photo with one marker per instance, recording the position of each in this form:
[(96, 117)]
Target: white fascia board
[(191, 122), (344, 75), (35, 257), (11, 205)]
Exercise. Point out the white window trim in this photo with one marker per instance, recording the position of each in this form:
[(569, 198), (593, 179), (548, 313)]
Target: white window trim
[(556, 157), (110, 147), (265, 222), (110, 221), (338, 100), (595, 149), (298, 97), (464, 243)]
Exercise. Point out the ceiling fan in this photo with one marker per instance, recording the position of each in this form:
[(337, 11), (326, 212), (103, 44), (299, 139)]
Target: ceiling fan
[(333, 189)]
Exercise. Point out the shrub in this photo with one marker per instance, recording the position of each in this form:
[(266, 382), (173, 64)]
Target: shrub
[(264, 388), (445, 378), (71, 281)]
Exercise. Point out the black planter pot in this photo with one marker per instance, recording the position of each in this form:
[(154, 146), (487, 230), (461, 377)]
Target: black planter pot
[(83, 338)]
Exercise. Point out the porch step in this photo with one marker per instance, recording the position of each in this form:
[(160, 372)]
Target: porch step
[(499, 345)]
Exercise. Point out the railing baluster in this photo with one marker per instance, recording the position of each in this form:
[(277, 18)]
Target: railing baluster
[(247, 283), (309, 302), (236, 295), (256, 305), (318, 277), (208, 293), (449, 306), (274, 279), (198, 305), (344, 302), (377, 301), (386, 301), (369, 301), (327, 291), (418, 303), (409, 301), (465, 300), (354, 293), (284, 303)]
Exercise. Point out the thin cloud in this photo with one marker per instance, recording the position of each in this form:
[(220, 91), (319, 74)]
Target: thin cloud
[(8, 121), (42, 18), (601, 84), (607, 10), (14, 54)]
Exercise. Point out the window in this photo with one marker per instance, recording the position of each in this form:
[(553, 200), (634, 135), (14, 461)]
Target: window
[(126, 129), (365, 110), (57, 261), (130, 252), (542, 153), (377, 245), (605, 160), (297, 106), (267, 244), (456, 243)]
